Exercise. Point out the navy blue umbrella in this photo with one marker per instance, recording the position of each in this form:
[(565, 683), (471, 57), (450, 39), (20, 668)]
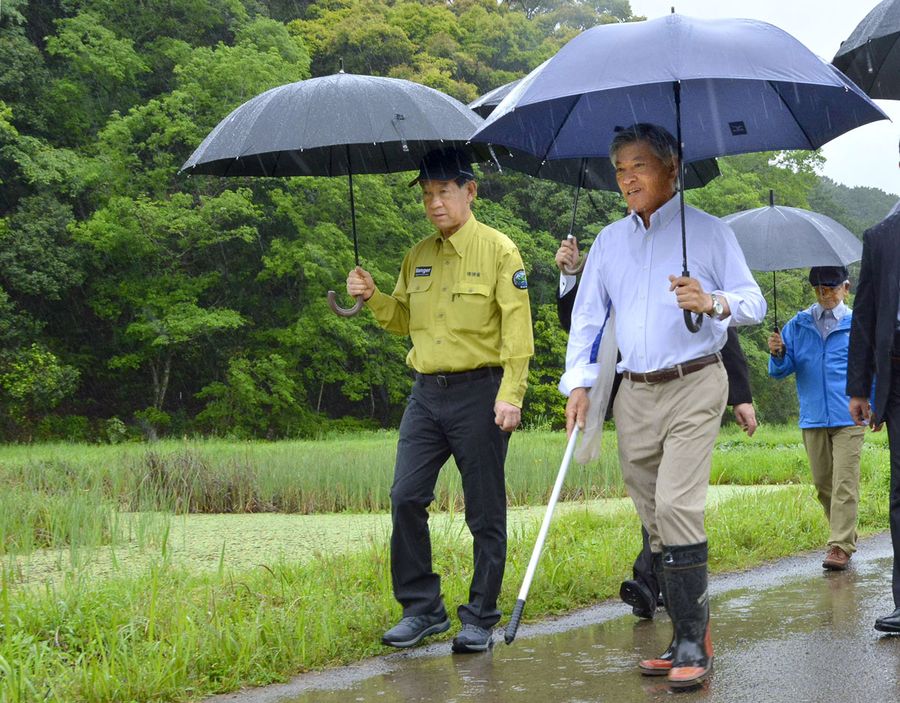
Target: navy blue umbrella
[(721, 86), (596, 173)]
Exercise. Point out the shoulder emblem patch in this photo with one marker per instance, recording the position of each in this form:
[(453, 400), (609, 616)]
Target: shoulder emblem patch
[(519, 280)]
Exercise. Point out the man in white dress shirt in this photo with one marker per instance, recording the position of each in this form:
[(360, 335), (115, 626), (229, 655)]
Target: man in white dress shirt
[(674, 386)]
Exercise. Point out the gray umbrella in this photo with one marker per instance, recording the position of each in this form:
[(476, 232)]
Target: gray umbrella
[(870, 56), (336, 125), (776, 238)]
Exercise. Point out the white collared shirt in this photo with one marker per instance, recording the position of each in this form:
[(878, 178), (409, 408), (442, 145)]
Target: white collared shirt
[(628, 267), (826, 320), (566, 283)]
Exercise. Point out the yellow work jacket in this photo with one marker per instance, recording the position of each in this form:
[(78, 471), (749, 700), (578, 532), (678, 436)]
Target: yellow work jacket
[(463, 301)]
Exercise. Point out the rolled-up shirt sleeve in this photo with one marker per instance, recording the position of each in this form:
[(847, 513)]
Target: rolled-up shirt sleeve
[(738, 287)]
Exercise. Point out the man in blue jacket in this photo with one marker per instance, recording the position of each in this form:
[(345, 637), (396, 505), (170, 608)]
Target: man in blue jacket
[(813, 345)]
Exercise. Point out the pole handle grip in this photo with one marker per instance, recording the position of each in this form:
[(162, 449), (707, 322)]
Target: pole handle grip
[(510, 634)]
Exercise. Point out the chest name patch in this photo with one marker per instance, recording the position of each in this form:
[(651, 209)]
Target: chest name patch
[(519, 280), (423, 271)]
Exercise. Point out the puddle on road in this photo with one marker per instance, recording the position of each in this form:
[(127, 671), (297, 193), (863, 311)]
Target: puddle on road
[(778, 638)]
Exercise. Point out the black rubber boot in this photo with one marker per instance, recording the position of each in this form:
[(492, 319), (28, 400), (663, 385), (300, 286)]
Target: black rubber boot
[(663, 663), (687, 600)]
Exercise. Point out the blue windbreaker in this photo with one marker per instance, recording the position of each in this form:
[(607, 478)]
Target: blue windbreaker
[(820, 367)]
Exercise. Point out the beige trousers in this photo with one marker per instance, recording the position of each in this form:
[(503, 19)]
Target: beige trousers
[(666, 434), (834, 454)]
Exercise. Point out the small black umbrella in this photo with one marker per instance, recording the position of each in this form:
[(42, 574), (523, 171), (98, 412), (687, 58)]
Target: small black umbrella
[(595, 173), (776, 238), (870, 56), (336, 125)]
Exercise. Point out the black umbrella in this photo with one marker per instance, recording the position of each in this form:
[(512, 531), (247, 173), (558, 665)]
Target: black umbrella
[(871, 54), (596, 173), (776, 238), (336, 125)]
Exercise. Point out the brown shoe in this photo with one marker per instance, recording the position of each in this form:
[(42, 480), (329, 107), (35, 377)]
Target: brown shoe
[(836, 559)]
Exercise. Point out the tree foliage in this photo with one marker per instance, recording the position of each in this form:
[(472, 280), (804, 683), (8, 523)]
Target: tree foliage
[(197, 304)]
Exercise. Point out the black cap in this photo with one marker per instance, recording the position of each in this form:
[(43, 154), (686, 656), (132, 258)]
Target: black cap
[(444, 165), (830, 276)]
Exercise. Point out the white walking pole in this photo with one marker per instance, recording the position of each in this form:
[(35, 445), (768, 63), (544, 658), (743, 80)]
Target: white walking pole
[(513, 625)]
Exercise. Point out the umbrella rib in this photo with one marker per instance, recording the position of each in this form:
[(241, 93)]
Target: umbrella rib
[(788, 108), (562, 123)]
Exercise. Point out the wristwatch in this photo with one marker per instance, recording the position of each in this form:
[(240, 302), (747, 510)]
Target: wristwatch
[(717, 308)]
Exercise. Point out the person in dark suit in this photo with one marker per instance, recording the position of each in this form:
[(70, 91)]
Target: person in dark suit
[(874, 354), (642, 591)]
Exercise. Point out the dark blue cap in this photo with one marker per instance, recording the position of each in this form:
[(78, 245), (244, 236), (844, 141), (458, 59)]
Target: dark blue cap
[(830, 276), (444, 165)]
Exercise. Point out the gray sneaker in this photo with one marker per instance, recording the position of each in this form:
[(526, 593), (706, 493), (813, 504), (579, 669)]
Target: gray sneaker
[(472, 638), (413, 629)]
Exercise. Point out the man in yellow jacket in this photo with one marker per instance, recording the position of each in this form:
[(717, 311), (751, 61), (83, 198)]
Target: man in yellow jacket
[(462, 297)]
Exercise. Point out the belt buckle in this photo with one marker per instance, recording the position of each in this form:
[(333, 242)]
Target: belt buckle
[(441, 380)]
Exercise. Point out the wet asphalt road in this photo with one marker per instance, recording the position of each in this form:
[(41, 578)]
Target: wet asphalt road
[(785, 632)]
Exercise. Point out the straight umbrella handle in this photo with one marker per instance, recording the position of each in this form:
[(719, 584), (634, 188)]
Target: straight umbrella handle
[(513, 625), (692, 323), (344, 312)]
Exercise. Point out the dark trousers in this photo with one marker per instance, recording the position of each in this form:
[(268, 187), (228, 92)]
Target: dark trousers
[(643, 566), (892, 419), (440, 421)]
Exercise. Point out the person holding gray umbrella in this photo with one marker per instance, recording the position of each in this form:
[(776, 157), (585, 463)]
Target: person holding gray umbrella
[(462, 297), (813, 346)]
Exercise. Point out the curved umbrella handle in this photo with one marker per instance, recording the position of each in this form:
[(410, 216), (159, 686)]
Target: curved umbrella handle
[(575, 270), (344, 312), (692, 323)]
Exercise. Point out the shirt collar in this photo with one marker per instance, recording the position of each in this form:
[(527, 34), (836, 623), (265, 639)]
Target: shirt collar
[(661, 217), (460, 239), (839, 311)]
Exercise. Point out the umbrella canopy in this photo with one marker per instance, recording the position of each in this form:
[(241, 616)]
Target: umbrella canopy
[(336, 126), (595, 173), (894, 210), (720, 86), (745, 86), (871, 54), (775, 238)]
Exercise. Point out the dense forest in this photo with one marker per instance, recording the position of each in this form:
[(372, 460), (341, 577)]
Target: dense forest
[(135, 301)]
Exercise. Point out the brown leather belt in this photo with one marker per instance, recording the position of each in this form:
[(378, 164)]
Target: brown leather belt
[(677, 371)]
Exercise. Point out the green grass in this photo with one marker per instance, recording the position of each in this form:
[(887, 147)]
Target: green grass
[(155, 622), (350, 473)]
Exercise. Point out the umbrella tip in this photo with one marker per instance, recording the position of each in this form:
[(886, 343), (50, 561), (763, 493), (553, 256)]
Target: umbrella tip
[(673, 9), (341, 64), (771, 198)]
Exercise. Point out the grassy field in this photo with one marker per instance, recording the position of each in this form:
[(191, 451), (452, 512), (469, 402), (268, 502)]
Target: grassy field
[(123, 580)]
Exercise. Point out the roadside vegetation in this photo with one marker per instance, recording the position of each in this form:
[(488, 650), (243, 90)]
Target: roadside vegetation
[(119, 615)]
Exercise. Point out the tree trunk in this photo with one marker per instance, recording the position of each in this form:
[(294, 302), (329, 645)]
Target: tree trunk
[(161, 384)]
